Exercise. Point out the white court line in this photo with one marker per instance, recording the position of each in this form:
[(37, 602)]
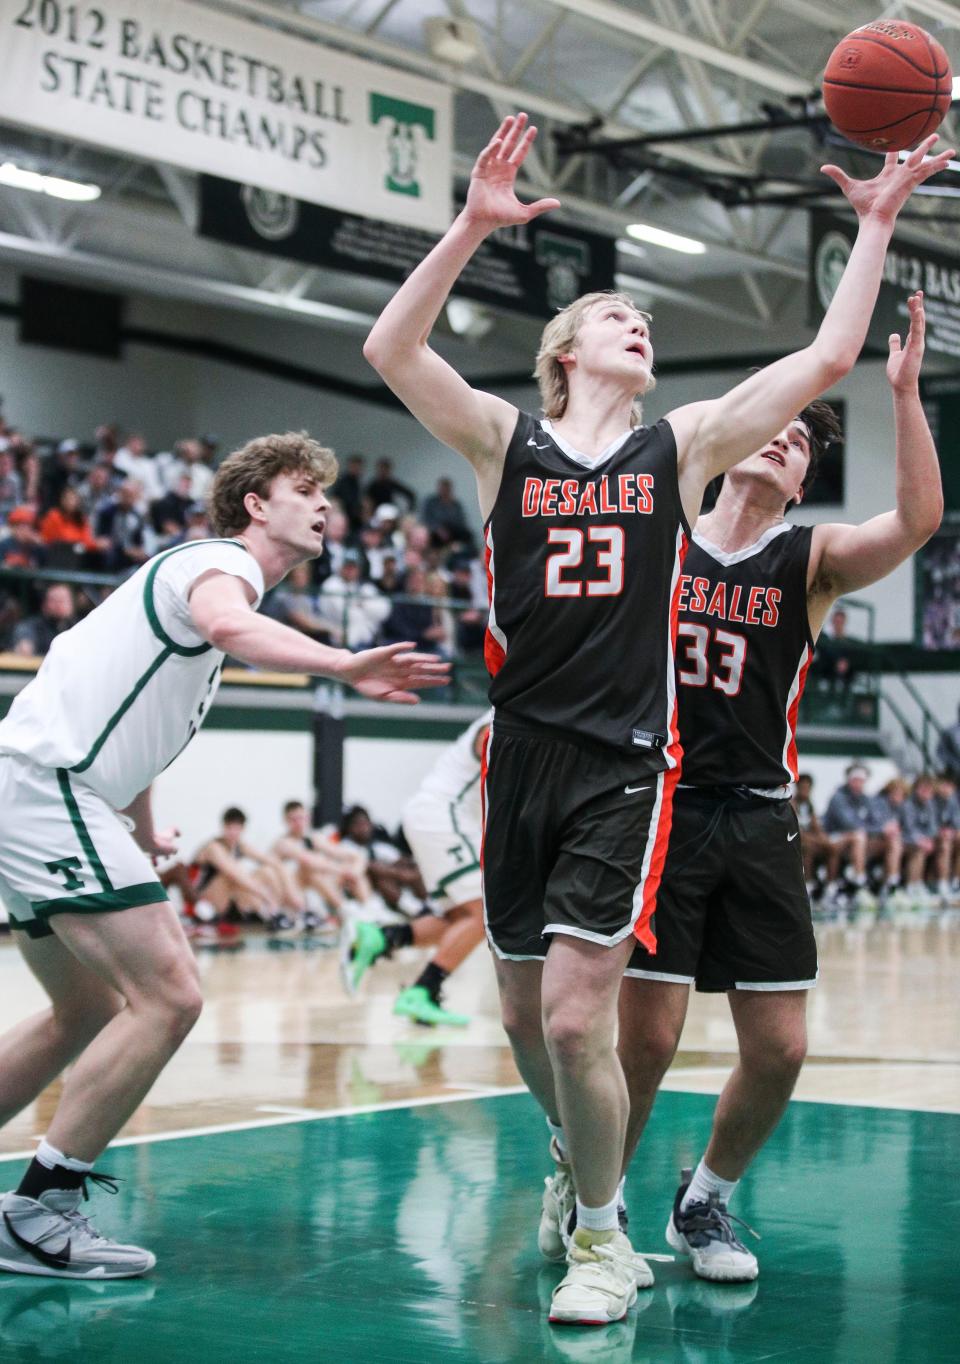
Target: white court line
[(814, 1067), (288, 1117)]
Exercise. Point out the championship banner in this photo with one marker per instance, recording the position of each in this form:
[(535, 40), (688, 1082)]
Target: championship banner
[(165, 80), (907, 267), (534, 268)]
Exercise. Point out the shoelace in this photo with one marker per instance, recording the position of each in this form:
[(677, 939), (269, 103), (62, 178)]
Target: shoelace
[(606, 1256), (103, 1181), (715, 1221)]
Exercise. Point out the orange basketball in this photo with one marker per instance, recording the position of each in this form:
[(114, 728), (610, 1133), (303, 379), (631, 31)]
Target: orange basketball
[(887, 85)]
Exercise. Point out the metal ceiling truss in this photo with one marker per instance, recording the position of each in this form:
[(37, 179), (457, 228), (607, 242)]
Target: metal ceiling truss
[(661, 110)]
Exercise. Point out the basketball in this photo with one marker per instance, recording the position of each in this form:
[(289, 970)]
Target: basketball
[(887, 85)]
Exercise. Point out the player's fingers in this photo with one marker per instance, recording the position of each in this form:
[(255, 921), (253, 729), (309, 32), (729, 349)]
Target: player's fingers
[(426, 660), (488, 153), (920, 151), (541, 206), (403, 698), (838, 176), (515, 136), (523, 145), (935, 165)]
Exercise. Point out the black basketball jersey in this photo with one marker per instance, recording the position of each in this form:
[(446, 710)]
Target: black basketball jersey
[(743, 650), (583, 568)]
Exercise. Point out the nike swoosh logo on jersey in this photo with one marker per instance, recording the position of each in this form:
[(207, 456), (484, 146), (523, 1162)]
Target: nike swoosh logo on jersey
[(532, 442), (791, 837), (632, 790), (53, 1259)]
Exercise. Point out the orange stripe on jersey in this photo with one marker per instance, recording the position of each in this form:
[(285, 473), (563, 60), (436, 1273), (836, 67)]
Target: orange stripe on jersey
[(493, 651), (792, 763), (484, 765), (642, 929), (675, 747)]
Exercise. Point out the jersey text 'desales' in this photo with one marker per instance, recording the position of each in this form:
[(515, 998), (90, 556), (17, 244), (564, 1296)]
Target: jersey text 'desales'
[(583, 566)]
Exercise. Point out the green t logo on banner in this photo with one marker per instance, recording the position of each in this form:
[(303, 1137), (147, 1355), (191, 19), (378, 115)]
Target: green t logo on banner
[(400, 118)]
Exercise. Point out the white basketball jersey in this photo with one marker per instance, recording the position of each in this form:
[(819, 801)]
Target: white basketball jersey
[(455, 776), (124, 691)]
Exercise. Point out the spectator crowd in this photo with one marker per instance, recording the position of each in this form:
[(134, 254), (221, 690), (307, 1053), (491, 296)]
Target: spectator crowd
[(897, 849), (391, 569)]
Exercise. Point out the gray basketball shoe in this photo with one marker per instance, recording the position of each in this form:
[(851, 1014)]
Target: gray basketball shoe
[(48, 1235)]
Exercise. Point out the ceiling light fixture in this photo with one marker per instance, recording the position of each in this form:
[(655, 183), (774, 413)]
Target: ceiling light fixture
[(452, 40), (468, 319), (19, 178), (657, 236)]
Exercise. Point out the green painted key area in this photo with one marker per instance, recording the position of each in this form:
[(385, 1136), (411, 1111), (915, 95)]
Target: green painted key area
[(409, 1237)]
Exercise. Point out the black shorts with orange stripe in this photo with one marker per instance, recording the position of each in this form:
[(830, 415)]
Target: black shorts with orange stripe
[(733, 911), (575, 835)]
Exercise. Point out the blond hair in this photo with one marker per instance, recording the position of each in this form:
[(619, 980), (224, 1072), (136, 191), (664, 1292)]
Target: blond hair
[(253, 468), (558, 338)]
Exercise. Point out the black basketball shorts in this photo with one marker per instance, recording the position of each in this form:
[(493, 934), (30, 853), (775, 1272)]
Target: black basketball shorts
[(733, 911), (575, 835)]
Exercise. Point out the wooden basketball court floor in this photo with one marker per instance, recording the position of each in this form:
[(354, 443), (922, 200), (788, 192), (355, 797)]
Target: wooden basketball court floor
[(321, 1180)]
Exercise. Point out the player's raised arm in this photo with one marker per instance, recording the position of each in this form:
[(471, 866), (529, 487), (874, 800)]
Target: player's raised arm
[(222, 614), (477, 424), (711, 436), (845, 558)]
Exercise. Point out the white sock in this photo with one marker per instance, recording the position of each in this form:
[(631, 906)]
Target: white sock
[(704, 1183), (598, 1219), (557, 1131), (50, 1157)]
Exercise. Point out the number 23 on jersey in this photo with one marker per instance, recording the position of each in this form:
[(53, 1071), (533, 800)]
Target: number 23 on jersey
[(603, 549)]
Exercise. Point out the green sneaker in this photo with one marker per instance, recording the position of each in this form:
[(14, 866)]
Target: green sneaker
[(415, 1003), (361, 945)]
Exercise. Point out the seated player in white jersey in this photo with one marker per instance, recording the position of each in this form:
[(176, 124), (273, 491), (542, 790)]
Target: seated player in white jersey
[(115, 700), (587, 515), (443, 825), (267, 890), (322, 866), (734, 914)]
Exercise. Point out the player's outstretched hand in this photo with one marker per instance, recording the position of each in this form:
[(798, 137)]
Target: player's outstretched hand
[(491, 198), (903, 363), (885, 195), (393, 673)]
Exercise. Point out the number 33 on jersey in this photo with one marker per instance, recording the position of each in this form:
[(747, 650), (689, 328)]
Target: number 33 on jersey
[(743, 649)]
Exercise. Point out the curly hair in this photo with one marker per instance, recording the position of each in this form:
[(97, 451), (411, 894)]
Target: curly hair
[(557, 338), (253, 468)]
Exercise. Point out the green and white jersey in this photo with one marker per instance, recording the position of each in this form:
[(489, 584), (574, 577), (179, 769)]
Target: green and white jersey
[(124, 691), (454, 779)]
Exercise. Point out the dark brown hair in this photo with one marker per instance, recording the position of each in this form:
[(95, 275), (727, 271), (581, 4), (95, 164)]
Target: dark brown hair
[(825, 430)]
